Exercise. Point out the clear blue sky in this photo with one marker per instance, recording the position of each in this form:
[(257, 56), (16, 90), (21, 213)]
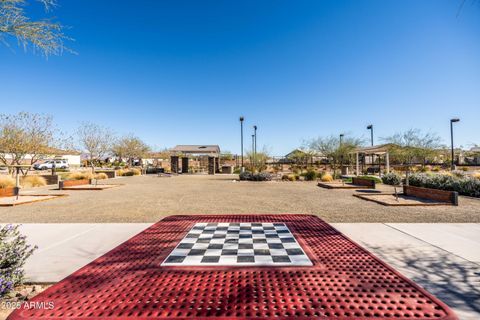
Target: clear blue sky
[(182, 72)]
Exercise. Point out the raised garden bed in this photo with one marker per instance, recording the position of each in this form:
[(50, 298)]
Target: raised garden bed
[(413, 196), (8, 192), (26, 199)]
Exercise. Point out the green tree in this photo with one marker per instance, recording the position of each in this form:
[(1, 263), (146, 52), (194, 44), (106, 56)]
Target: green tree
[(131, 148), (96, 141), (334, 151), (26, 137), (411, 145), (42, 35)]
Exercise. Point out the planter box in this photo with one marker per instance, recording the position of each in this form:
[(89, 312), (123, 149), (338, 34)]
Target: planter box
[(8, 192), (72, 183), (432, 194), (110, 173), (363, 182), (51, 179)]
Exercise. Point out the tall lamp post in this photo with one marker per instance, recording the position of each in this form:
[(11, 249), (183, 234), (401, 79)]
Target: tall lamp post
[(255, 150), (341, 154), (370, 127), (451, 139), (241, 141)]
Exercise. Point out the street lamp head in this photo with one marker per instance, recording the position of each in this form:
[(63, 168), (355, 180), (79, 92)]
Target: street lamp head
[(255, 127), (241, 119), (370, 126), (454, 120), (341, 135)]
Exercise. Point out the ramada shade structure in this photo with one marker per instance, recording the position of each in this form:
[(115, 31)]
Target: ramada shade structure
[(212, 151), (378, 150)]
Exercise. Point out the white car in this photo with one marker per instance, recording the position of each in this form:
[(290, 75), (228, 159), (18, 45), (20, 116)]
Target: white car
[(59, 164)]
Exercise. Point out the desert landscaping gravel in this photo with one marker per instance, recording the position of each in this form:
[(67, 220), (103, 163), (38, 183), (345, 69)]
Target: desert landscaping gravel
[(150, 198)]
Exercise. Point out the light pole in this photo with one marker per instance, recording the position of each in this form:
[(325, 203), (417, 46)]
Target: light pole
[(253, 151), (255, 134), (451, 139), (241, 140), (370, 127), (341, 154)]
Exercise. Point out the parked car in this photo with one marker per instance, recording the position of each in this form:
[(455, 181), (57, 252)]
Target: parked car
[(59, 164)]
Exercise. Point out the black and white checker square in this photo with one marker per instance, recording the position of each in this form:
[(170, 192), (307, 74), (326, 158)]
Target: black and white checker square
[(237, 244)]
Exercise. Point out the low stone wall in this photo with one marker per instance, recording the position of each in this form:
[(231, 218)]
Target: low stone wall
[(110, 173), (432, 194), (72, 183), (364, 182), (8, 192), (51, 179)]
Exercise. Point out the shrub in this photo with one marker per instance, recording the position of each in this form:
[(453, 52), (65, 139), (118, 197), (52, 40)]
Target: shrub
[(6, 181), (465, 169), (136, 172), (262, 176), (436, 169), (290, 177), (392, 178), (476, 175), (128, 173), (464, 185), (14, 251), (101, 176), (120, 172), (458, 173), (374, 178), (310, 175), (327, 177), (80, 175), (34, 181)]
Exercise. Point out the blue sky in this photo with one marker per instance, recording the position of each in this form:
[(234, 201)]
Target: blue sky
[(182, 72)]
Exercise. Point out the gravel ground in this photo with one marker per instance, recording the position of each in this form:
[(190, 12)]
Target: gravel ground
[(149, 198)]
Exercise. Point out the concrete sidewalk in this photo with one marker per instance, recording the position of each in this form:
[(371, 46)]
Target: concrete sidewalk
[(443, 258)]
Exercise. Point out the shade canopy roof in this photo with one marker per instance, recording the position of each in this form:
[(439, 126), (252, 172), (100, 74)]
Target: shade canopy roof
[(378, 149), (196, 149)]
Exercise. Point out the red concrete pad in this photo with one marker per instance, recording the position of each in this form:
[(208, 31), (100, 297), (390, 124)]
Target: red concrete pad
[(130, 282)]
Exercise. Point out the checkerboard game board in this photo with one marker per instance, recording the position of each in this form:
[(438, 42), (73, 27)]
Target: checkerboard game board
[(238, 244)]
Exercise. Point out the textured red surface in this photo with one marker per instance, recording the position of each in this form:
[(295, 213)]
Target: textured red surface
[(345, 282)]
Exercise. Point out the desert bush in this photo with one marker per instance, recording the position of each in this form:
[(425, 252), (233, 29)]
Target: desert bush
[(436, 169), (326, 177), (374, 178), (6, 181), (310, 175), (464, 185), (136, 172), (476, 175), (101, 176), (262, 176), (79, 175), (465, 169), (14, 251), (34, 181), (458, 173), (120, 172), (290, 177), (392, 178), (128, 173)]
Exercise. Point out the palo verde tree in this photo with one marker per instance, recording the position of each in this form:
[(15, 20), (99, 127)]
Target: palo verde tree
[(42, 35), (131, 148), (96, 141), (410, 146), (26, 138), (335, 152)]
